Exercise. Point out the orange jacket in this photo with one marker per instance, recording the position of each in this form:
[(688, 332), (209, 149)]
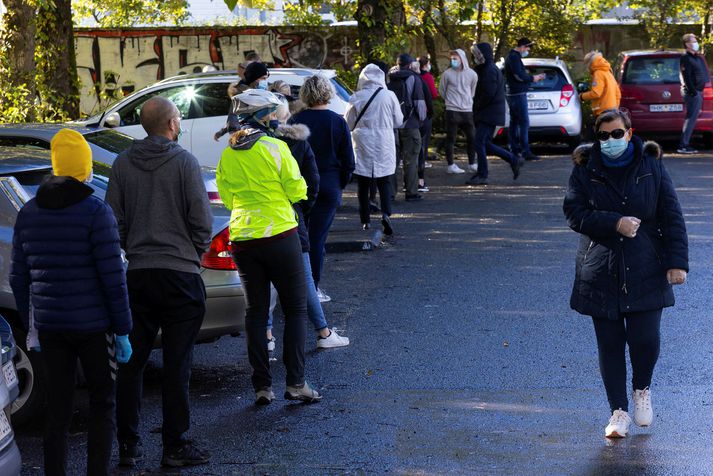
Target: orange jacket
[(605, 92)]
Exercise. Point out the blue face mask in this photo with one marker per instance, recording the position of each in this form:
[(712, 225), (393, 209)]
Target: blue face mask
[(262, 84), (614, 148), (274, 124), (455, 63), (525, 53)]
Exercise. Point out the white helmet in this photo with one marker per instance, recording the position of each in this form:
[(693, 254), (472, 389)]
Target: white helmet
[(254, 101)]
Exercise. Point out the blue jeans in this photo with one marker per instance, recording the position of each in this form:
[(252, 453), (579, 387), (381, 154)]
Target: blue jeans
[(315, 313), (693, 108), (484, 146), (320, 221), (519, 124)]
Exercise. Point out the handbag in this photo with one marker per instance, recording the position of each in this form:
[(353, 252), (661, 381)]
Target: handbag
[(366, 107)]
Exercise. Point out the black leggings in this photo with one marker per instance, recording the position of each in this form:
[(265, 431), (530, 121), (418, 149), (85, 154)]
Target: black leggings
[(642, 331), (385, 192)]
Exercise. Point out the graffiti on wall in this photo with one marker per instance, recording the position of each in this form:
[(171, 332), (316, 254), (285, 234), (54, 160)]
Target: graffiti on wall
[(127, 60)]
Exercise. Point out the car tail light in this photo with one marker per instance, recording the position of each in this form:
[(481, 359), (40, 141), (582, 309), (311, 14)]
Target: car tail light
[(501, 131), (219, 255), (707, 93), (563, 131), (566, 94), (214, 197)]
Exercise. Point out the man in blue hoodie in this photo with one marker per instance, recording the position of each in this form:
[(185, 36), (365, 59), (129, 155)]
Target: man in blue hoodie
[(68, 280)]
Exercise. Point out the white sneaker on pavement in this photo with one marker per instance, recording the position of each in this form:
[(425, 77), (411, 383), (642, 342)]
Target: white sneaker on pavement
[(643, 411), (473, 168), (322, 296), (618, 425), (332, 340), (454, 169)]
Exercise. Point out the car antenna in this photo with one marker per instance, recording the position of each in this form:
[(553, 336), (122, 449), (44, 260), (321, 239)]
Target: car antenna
[(98, 124)]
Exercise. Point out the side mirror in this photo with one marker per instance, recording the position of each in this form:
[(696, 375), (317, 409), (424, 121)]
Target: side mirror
[(112, 120)]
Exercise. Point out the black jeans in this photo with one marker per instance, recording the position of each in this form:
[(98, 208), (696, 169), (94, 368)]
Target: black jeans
[(281, 262), (462, 120), (95, 351), (642, 331), (174, 302), (385, 192), (426, 129), (484, 145)]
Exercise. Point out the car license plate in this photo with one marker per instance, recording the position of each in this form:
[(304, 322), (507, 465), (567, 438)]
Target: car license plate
[(5, 428), (537, 105), (665, 107), (8, 371)]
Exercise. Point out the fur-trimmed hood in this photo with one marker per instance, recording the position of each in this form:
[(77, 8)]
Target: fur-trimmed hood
[(292, 131), (581, 154)]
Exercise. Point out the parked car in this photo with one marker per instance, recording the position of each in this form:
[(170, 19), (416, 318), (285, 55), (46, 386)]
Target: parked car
[(202, 99), (10, 460), (651, 90), (553, 104), (22, 169)]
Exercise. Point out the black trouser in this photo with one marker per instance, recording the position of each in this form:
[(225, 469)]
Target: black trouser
[(281, 263), (95, 351), (174, 302), (462, 120), (425, 130), (385, 192), (642, 331)]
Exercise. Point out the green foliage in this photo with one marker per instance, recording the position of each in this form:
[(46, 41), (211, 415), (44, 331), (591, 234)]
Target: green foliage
[(127, 13)]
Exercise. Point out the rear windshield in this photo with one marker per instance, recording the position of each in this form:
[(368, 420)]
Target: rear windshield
[(112, 141), (554, 78), (651, 71)]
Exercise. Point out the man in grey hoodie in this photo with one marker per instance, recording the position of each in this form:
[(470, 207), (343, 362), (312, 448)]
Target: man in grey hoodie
[(457, 87), (161, 205)]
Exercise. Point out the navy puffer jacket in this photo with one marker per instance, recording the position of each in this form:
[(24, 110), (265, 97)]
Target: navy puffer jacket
[(489, 100), (615, 274), (66, 260)]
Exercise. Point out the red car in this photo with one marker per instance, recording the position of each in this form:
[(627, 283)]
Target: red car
[(651, 91)]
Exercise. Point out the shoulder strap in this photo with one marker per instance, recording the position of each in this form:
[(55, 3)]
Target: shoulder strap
[(366, 107)]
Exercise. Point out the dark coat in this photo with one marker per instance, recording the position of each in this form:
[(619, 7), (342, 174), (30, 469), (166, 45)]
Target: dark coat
[(615, 274), (694, 74), (489, 100), (66, 261), (517, 77), (295, 136)]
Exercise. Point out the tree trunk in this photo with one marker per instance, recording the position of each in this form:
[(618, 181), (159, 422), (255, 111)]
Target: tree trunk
[(479, 21), (371, 27), (430, 42), (505, 20), (57, 66), (17, 47)]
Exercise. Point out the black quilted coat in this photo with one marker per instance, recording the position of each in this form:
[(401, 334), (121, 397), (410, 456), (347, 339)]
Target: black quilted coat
[(615, 274)]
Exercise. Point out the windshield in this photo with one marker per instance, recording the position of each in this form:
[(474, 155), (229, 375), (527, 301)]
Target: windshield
[(656, 70), (112, 141)]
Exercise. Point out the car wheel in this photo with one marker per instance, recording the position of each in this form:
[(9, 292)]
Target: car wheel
[(30, 404)]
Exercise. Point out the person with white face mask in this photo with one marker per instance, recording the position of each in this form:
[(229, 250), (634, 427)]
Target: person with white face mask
[(694, 77)]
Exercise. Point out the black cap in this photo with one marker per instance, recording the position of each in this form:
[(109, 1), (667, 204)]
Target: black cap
[(405, 59), (524, 42), (255, 71)]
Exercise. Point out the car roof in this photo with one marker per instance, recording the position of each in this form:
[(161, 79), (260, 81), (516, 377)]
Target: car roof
[(15, 159), (669, 52), (232, 74)]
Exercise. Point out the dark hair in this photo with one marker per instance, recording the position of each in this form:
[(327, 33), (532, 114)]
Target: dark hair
[(611, 115), (423, 61)]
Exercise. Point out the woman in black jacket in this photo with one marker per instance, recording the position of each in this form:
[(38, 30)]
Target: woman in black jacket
[(632, 249)]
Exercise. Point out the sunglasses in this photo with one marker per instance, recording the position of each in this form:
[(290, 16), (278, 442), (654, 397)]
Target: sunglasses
[(616, 134)]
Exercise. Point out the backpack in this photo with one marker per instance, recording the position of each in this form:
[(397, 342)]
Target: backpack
[(404, 93)]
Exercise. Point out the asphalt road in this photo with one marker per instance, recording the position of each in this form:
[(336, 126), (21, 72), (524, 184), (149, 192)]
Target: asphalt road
[(465, 356)]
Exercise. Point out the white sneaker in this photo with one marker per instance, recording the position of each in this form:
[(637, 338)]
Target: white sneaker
[(332, 340), (322, 296), (643, 412), (454, 169), (618, 425), (473, 168), (271, 349)]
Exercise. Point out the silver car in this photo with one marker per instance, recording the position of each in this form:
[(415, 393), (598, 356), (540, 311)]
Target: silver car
[(22, 169)]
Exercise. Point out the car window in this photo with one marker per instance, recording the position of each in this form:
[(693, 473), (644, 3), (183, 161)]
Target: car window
[(32, 179), (341, 89), (554, 78), (652, 70), (212, 100), (112, 141), (182, 96), (24, 142)]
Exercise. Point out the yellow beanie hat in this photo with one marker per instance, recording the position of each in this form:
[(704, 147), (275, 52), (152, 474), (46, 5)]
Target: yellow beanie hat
[(71, 155)]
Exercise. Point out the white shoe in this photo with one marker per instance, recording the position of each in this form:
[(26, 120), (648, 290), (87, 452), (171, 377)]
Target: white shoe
[(643, 412), (473, 168), (332, 340), (618, 425), (454, 169), (322, 296), (271, 349)]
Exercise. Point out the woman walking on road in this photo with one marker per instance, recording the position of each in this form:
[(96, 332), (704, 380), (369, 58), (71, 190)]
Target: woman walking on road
[(633, 247), (258, 181)]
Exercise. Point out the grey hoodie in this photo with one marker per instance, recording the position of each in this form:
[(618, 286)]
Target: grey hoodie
[(158, 196), (457, 86)]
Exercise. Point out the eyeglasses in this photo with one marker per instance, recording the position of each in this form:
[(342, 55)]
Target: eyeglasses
[(616, 134)]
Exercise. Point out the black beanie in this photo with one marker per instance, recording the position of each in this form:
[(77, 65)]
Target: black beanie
[(254, 71)]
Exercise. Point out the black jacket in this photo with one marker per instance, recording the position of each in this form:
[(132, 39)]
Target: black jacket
[(516, 75), (694, 74), (615, 274), (489, 100)]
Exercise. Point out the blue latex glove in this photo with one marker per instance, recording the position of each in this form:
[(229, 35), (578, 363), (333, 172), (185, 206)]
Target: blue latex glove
[(123, 349)]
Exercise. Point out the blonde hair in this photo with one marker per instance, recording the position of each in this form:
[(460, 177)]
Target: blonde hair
[(237, 135), (316, 91), (281, 87), (589, 57)]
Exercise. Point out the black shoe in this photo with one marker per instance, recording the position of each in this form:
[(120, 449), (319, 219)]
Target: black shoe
[(414, 198), (373, 207), (686, 150), (365, 226), (129, 454), (515, 166), (187, 455), (477, 180), (531, 157), (386, 223)]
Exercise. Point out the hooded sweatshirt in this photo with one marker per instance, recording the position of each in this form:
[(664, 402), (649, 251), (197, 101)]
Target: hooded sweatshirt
[(605, 92), (489, 101), (157, 193), (457, 86)]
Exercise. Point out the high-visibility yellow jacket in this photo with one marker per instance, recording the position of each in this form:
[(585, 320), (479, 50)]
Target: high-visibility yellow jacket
[(605, 92), (258, 181)]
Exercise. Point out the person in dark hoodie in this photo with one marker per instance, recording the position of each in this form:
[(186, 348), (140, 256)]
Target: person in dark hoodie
[(489, 112), (255, 77), (67, 276), (158, 196)]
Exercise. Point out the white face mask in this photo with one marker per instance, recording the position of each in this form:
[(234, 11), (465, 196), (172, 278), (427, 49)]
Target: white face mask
[(695, 46)]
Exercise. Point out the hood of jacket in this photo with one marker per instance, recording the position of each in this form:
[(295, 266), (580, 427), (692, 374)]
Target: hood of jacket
[(60, 192), (600, 64), (371, 77), (487, 51), (293, 131), (154, 151), (581, 154), (401, 73), (463, 60)]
